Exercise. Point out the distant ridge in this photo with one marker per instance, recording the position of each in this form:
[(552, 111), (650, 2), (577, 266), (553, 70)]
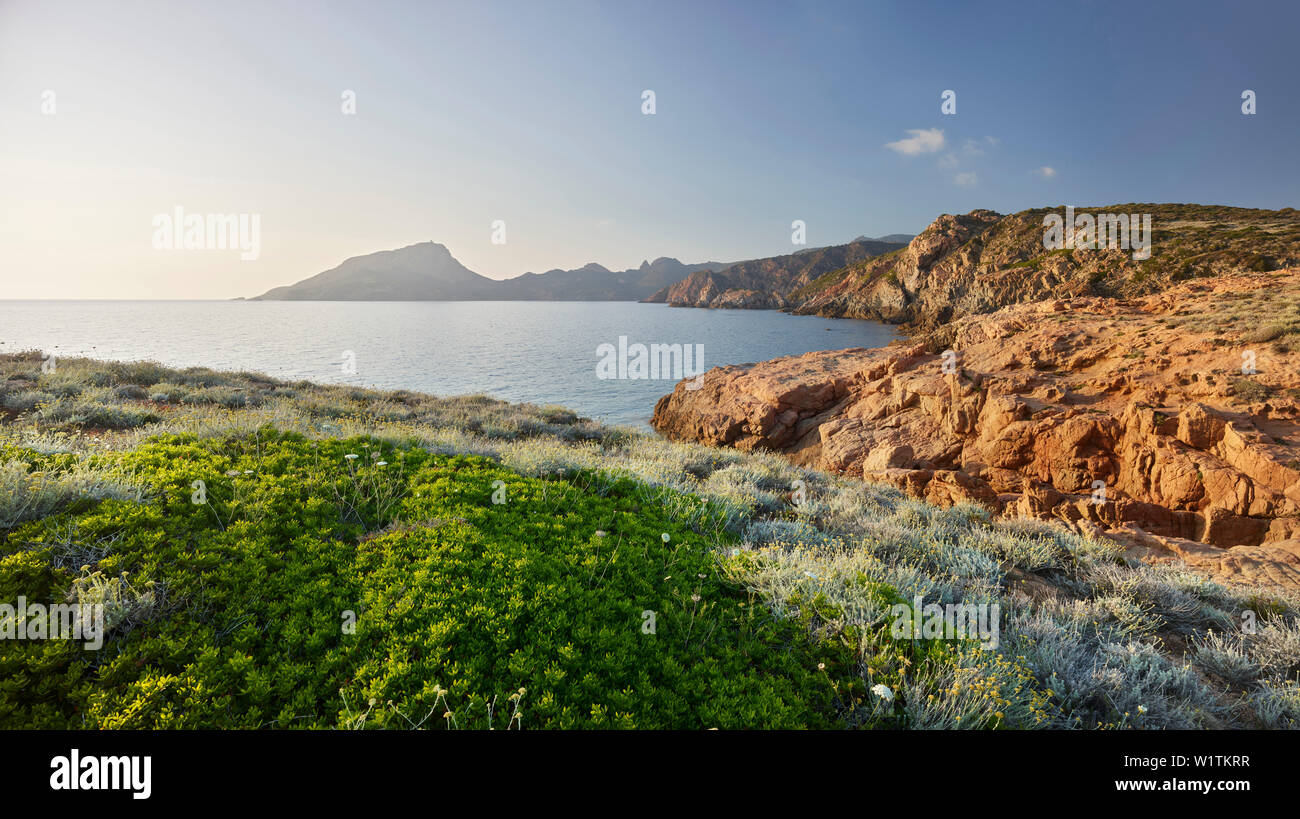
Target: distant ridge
[(766, 284), (428, 272), (893, 238), (594, 282)]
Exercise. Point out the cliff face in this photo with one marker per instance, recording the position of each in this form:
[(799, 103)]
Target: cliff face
[(767, 283), (982, 261), (1128, 416)]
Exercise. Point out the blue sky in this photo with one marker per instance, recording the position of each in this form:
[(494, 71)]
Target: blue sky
[(531, 113)]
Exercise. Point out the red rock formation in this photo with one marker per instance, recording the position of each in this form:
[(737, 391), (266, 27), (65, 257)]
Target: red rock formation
[(1110, 414)]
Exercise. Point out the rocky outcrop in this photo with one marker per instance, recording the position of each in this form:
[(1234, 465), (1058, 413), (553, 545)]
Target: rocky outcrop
[(1128, 416)]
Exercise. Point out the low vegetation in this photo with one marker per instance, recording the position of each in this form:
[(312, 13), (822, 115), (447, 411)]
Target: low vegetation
[(273, 554)]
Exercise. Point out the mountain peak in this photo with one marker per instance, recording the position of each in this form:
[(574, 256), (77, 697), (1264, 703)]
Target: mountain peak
[(418, 272)]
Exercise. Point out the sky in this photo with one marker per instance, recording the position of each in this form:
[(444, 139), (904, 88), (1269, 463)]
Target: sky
[(526, 123)]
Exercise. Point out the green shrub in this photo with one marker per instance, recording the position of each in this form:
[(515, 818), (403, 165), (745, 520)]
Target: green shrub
[(83, 411), (25, 401), (217, 396), (1249, 390), (455, 597), (131, 392), (28, 493)]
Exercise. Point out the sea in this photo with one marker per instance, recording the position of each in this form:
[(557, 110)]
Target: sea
[(541, 352)]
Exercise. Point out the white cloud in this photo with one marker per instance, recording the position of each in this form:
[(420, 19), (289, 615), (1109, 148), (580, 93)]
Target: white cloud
[(966, 179), (948, 161), (921, 141), (1046, 172), (975, 147)]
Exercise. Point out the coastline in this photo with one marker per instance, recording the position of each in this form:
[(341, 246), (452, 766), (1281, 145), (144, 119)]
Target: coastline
[(161, 491)]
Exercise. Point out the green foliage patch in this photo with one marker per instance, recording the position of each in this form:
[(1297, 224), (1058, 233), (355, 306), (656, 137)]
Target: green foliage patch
[(531, 612)]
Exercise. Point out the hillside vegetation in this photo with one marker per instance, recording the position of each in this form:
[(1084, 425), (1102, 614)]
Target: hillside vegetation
[(520, 567)]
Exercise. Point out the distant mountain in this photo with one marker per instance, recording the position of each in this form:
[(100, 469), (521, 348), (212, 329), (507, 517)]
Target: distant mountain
[(423, 272), (428, 272), (893, 238), (593, 282), (765, 284)]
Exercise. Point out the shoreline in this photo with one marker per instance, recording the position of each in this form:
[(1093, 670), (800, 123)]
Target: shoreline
[(284, 506), (538, 352)]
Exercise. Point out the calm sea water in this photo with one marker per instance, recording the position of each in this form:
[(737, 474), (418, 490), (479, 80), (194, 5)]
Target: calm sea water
[(540, 352)]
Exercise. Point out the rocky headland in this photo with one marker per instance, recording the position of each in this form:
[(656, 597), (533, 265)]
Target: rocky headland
[(1168, 421)]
